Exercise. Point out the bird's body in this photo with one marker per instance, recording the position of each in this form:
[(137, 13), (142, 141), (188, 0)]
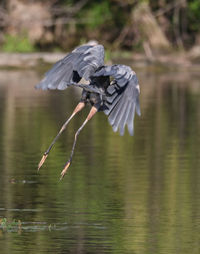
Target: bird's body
[(118, 99), (96, 97)]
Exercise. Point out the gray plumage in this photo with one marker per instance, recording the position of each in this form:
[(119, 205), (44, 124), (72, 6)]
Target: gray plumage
[(80, 63), (119, 98)]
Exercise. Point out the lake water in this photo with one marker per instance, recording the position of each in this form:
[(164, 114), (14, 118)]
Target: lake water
[(137, 194)]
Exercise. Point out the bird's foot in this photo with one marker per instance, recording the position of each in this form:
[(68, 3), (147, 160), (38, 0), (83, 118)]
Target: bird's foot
[(42, 161), (64, 171)]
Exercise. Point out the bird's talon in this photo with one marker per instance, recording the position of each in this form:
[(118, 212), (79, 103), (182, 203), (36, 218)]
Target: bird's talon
[(64, 170), (42, 161)]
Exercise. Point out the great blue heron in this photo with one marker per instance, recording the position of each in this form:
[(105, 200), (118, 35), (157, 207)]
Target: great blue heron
[(118, 99)]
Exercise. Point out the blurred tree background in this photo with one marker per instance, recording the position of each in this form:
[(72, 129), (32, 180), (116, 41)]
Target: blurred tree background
[(152, 26)]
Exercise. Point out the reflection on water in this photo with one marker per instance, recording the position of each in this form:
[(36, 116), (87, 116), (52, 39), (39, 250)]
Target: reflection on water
[(122, 194)]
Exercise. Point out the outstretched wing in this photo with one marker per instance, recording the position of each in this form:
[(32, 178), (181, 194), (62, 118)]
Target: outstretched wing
[(122, 98), (82, 62)]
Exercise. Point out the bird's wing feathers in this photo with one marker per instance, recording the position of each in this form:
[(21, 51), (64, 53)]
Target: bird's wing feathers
[(82, 62), (122, 99)]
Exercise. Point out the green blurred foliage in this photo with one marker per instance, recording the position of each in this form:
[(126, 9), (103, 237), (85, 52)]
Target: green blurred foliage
[(194, 15), (17, 44), (106, 20), (112, 16), (97, 14)]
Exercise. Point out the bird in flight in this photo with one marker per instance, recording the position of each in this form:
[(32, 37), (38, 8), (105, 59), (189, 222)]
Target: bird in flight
[(113, 89)]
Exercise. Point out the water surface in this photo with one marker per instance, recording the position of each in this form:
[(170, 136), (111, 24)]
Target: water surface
[(125, 194)]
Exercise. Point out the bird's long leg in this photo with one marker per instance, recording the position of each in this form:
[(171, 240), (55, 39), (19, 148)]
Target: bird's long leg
[(90, 115), (78, 108)]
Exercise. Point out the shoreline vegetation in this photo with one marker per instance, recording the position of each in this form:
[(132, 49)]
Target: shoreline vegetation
[(37, 59), (143, 31)]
